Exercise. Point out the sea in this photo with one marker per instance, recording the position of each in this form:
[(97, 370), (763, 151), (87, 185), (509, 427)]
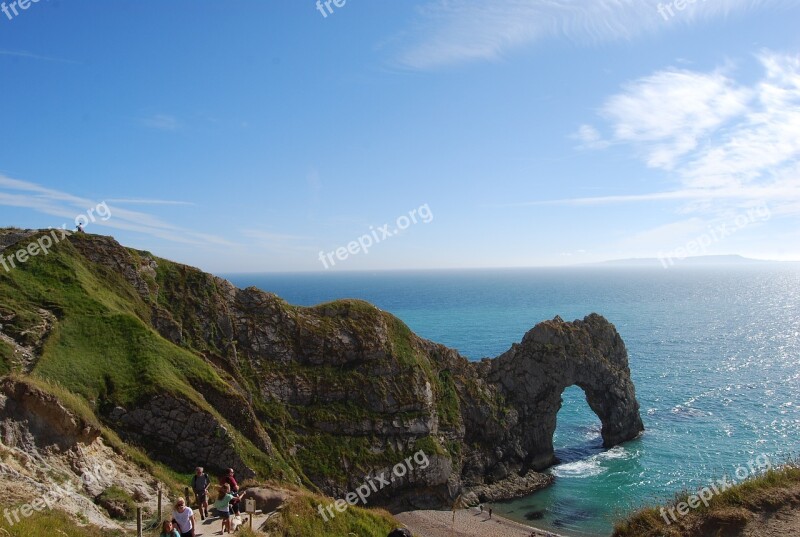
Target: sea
[(714, 354)]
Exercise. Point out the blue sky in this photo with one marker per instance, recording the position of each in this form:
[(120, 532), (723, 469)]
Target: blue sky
[(246, 136)]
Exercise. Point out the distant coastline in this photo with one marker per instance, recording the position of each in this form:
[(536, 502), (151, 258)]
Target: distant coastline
[(693, 261)]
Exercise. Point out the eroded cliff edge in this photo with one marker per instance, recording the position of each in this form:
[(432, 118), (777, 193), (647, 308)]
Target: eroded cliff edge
[(321, 396)]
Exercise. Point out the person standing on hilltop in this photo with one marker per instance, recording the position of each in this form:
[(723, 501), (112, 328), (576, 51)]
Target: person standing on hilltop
[(200, 484), (228, 479)]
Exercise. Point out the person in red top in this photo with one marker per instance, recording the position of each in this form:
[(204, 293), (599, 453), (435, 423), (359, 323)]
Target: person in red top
[(228, 479)]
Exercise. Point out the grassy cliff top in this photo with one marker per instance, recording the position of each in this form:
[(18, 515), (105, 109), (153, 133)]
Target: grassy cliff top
[(729, 512)]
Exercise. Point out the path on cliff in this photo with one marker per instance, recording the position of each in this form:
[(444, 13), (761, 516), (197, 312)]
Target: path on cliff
[(213, 525)]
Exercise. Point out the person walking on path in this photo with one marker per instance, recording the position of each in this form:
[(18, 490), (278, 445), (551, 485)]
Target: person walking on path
[(184, 517), (229, 480), (490, 513), (223, 505), (200, 484)]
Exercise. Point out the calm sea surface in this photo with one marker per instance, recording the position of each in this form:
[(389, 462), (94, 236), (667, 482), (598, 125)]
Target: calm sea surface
[(714, 354)]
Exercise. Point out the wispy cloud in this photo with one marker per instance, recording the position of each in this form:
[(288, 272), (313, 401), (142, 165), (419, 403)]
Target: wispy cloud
[(279, 242), (455, 31), (148, 202), (590, 138), (779, 190), (65, 206), (715, 138), (162, 122), (268, 236), (667, 234), (31, 56), (667, 113)]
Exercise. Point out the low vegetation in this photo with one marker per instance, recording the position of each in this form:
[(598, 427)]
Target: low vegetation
[(728, 511), (119, 504), (53, 523), (300, 518)]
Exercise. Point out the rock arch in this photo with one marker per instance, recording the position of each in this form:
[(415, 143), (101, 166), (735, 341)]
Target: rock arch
[(553, 356)]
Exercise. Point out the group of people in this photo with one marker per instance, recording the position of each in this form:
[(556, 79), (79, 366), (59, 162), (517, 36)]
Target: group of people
[(183, 522)]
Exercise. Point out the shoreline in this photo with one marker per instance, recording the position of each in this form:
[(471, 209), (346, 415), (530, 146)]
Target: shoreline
[(468, 523)]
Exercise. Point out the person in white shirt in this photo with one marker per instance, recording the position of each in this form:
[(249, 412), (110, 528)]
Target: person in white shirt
[(184, 518)]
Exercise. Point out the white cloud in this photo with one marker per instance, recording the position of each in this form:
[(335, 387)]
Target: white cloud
[(764, 140), (590, 138), (455, 31), (161, 122), (668, 112), (719, 140)]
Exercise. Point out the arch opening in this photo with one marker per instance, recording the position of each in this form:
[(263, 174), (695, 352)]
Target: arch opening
[(578, 428)]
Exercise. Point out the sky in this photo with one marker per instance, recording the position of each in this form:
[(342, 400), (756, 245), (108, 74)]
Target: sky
[(284, 135)]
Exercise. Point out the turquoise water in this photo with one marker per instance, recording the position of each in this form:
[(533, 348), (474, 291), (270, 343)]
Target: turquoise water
[(714, 354)]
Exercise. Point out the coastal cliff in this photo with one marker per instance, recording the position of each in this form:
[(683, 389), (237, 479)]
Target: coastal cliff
[(188, 368)]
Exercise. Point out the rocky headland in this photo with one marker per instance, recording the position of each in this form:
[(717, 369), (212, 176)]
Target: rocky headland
[(187, 368)]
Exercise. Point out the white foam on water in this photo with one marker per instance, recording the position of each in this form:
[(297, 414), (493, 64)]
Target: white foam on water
[(617, 452), (591, 466), (578, 469)]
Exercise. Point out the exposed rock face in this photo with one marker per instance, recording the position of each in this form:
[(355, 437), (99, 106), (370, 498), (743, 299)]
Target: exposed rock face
[(52, 455), (11, 236), (554, 356), (35, 420), (181, 435), (513, 486)]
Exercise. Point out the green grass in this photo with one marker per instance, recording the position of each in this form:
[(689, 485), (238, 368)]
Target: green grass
[(55, 523), (300, 518), (449, 405), (430, 446), (102, 347), (324, 455), (731, 508), (118, 503), (6, 356)]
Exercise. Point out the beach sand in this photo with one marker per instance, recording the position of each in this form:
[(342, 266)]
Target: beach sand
[(469, 523)]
